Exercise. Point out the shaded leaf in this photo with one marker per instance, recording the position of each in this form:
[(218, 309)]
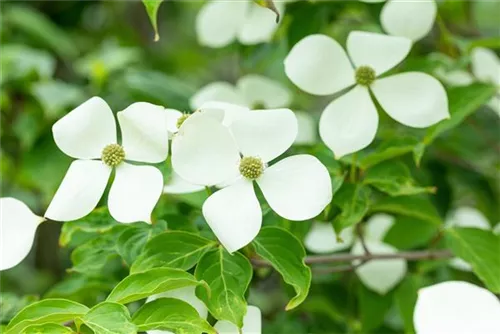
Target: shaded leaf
[(353, 200), (410, 232), (412, 206), (387, 150)]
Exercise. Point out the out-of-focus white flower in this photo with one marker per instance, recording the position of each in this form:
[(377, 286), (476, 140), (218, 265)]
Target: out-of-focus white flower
[(17, 231), (318, 65), (377, 275), (88, 133), (456, 307), (307, 132), (296, 188), (186, 294), (252, 323), (219, 23), (466, 217), (411, 19), (486, 68)]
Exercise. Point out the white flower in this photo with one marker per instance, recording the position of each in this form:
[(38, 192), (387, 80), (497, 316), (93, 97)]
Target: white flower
[(377, 275), (252, 323), (456, 307), (486, 68), (186, 294), (88, 133), (219, 23), (318, 65), (411, 19), (17, 231), (466, 217), (296, 188)]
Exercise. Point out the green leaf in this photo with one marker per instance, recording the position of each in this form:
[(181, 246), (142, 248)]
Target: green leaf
[(20, 61), (372, 308), (409, 232), (394, 178), (353, 200), (286, 254), (131, 242), (174, 249), (169, 314), (10, 304), (48, 328), (228, 276), (481, 249), (463, 101), (412, 206), (81, 288), (406, 297), (108, 318), (387, 150), (151, 282), (152, 10), (46, 311)]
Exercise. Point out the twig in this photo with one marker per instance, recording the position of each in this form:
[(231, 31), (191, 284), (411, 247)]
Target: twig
[(361, 238)]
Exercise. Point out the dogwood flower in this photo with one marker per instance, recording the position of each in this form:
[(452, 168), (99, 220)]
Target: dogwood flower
[(456, 307), (411, 19), (296, 188), (318, 65), (486, 68), (186, 294), (380, 276), (219, 23), (88, 133), (252, 323), (466, 217), (17, 226)]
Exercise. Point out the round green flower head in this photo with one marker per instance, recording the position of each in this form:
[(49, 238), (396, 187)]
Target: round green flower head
[(251, 167), (112, 155), (181, 120), (365, 75)]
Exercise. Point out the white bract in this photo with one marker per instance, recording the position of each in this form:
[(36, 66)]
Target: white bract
[(186, 294), (456, 307), (296, 188), (252, 323), (88, 133), (219, 23), (411, 19), (17, 231), (466, 217), (377, 275), (318, 65)]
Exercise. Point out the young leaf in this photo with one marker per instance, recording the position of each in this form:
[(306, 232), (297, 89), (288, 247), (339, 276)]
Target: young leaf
[(394, 178), (228, 276), (353, 201), (152, 7), (480, 248), (48, 328), (174, 249), (387, 150), (151, 282), (46, 311), (169, 314), (412, 206), (286, 254), (108, 318)]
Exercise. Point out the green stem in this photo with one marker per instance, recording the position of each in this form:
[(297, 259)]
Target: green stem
[(208, 190)]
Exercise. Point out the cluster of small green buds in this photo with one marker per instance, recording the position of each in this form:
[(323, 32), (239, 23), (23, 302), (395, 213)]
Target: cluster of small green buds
[(251, 167), (112, 155), (365, 75)]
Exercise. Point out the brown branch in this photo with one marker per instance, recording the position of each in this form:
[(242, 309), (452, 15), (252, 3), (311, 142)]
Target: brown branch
[(361, 238)]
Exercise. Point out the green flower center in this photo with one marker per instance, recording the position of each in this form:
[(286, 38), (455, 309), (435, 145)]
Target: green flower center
[(181, 120), (251, 167), (365, 75), (112, 155)]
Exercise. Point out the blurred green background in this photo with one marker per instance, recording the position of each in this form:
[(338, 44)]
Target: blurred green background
[(57, 54)]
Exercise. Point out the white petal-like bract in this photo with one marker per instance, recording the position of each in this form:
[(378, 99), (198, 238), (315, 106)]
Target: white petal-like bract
[(234, 215), (144, 132), (259, 90), (171, 117), (456, 307), (321, 238), (259, 24), (186, 294), (380, 276), (349, 123), (377, 226), (265, 133), (252, 323), (17, 226), (297, 188), (378, 51), (177, 185), (318, 65), (411, 19), (486, 65), (307, 129), (80, 190), (231, 112), (414, 99), (204, 151), (86, 130), (134, 193), (218, 91)]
